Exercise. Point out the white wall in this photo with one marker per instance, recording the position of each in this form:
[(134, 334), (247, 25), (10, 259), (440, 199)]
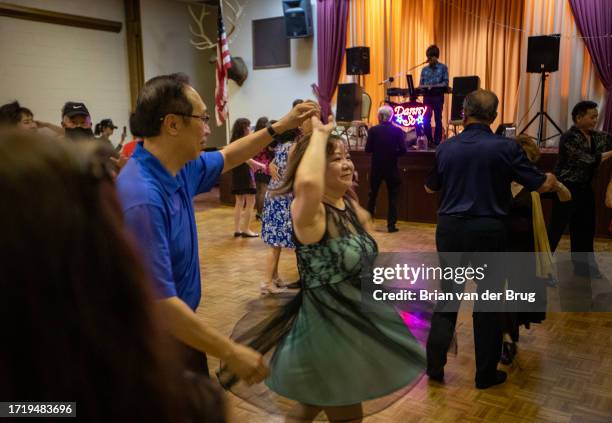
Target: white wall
[(44, 65), (165, 40), (270, 92), (167, 49)]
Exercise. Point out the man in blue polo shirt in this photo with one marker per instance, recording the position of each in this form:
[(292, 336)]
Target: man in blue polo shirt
[(473, 173), (156, 188)]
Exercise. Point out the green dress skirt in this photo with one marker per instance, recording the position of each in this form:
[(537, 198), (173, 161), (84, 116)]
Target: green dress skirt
[(325, 348)]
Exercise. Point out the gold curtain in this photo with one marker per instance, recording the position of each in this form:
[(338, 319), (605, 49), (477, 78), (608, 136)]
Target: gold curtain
[(487, 38), (576, 78), (476, 38), (397, 32)]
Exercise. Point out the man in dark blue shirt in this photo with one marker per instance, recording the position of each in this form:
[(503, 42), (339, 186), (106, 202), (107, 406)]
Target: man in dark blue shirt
[(434, 75), (386, 143), (473, 173), (156, 188)]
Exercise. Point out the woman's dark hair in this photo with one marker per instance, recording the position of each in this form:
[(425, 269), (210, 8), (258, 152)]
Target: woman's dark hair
[(261, 123), (581, 108), (160, 96), (76, 309), (100, 126), (287, 136), (274, 142), (12, 113), (432, 51), (239, 129), (295, 158)]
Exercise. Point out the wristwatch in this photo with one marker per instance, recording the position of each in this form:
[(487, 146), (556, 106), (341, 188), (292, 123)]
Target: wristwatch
[(271, 130)]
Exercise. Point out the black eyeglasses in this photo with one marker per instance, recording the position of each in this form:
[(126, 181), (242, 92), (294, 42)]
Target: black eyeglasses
[(205, 118)]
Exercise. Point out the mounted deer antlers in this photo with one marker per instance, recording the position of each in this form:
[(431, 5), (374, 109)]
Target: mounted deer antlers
[(206, 42), (235, 10)]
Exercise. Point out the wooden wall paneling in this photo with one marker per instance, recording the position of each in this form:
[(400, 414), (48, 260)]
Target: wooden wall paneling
[(47, 16), (133, 35)]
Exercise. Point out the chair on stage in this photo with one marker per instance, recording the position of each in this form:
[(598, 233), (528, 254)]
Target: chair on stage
[(454, 124), (363, 125)]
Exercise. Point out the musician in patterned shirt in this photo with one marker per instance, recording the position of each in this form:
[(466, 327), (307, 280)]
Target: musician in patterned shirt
[(434, 75)]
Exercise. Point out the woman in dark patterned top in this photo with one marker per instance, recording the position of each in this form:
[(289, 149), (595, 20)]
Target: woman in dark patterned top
[(581, 150)]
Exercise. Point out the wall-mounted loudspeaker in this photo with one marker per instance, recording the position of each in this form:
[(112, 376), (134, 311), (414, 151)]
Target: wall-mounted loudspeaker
[(298, 18)]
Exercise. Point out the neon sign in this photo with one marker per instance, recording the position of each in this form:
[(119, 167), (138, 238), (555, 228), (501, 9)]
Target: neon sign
[(409, 115)]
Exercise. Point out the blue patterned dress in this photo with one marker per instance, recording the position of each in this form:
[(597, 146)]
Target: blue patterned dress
[(277, 228)]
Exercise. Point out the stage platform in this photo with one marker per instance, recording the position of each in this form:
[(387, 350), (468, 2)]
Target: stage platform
[(415, 205)]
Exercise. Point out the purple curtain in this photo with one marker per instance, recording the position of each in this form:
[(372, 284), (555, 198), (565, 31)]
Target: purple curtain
[(594, 19), (331, 43)]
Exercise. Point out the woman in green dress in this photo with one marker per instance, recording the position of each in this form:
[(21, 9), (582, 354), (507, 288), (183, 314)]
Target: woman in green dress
[(327, 352)]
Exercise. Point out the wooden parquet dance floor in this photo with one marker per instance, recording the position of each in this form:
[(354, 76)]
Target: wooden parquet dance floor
[(563, 372)]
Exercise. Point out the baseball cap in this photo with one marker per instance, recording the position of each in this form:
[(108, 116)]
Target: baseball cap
[(107, 123), (72, 108)]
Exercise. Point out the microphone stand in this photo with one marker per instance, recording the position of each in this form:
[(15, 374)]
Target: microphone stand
[(392, 78), (387, 81), (384, 84), (417, 66)]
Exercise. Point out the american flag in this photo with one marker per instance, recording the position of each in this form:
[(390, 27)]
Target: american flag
[(224, 62)]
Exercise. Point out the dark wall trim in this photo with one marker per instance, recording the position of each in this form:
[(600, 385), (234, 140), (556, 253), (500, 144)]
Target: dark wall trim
[(133, 33), (47, 16)]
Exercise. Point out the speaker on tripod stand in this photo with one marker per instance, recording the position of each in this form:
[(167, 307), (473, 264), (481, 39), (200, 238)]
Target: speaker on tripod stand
[(543, 58)]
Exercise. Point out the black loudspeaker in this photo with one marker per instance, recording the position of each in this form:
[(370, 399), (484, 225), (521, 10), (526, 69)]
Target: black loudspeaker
[(349, 102), (462, 86), (543, 53), (358, 61), (298, 18)]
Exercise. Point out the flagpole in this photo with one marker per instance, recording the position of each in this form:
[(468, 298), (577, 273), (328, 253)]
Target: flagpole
[(223, 65), (227, 121), (227, 113)]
